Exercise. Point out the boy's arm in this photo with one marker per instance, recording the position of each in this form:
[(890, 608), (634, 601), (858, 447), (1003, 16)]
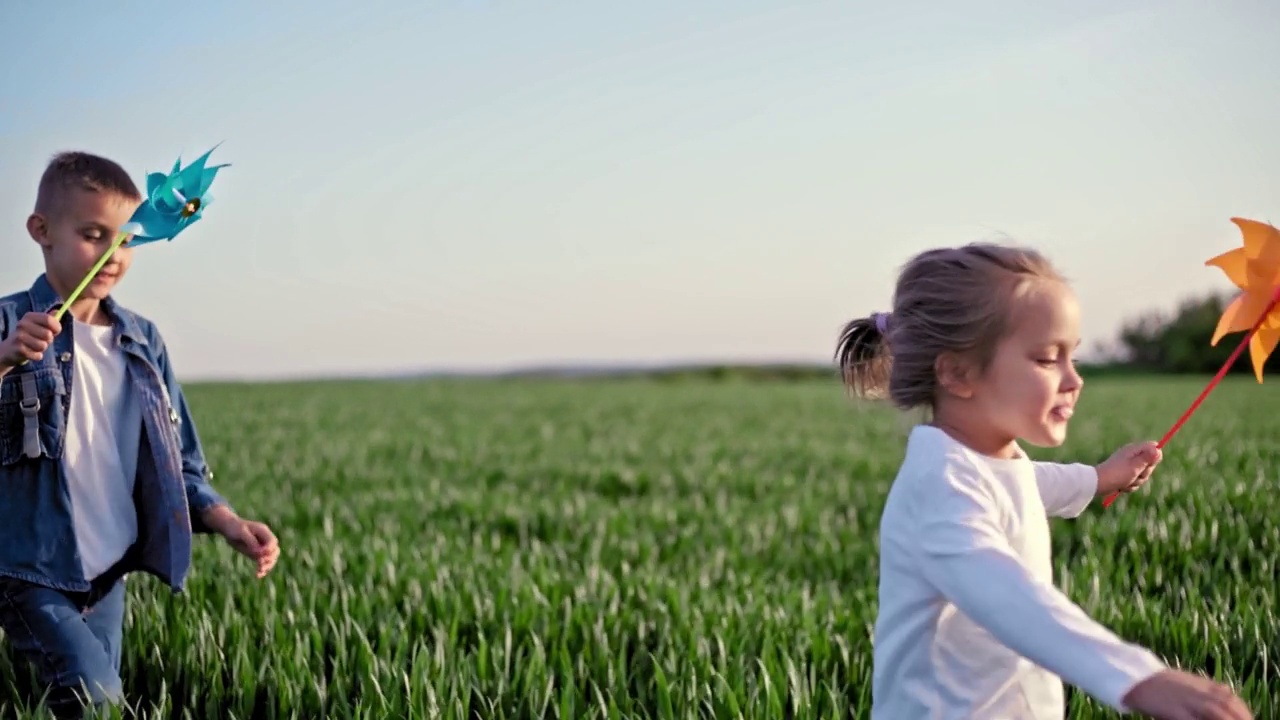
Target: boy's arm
[(201, 496), (4, 335), (7, 326), (1066, 490), (966, 556)]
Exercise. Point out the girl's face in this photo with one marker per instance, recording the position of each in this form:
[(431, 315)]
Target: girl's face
[(1029, 390)]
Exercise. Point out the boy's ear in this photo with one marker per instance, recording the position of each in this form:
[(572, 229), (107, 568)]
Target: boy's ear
[(955, 374), (38, 228)]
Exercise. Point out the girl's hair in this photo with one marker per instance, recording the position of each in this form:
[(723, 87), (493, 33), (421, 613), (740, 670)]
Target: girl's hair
[(948, 299)]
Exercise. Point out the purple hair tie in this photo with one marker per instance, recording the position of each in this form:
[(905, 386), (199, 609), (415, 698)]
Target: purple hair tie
[(882, 322)]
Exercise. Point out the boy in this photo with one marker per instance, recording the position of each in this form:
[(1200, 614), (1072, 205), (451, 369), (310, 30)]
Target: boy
[(101, 470)]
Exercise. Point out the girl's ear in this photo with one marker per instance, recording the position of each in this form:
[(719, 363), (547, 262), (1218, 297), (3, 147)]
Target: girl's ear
[(955, 374)]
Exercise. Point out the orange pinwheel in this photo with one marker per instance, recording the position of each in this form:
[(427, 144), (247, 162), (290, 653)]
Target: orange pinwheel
[(1255, 269)]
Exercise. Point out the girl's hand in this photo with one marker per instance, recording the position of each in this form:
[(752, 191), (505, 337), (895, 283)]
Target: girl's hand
[(1128, 468), (1177, 695)]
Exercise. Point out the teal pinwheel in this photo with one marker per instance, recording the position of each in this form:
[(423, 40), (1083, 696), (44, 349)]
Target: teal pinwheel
[(173, 202)]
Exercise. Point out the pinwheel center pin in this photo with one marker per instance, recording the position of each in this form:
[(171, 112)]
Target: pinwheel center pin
[(189, 207)]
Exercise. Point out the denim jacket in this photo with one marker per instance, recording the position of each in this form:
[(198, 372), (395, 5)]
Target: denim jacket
[(37, 539)]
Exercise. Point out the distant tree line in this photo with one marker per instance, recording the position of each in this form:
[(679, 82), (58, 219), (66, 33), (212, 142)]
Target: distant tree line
[(1154, 342), (1178, 342)]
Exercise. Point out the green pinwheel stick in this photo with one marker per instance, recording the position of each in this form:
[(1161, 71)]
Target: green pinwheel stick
[(174, 201), (120, 240)]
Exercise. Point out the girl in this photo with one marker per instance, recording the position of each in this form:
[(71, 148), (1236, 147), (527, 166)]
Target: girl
[(970, 623)]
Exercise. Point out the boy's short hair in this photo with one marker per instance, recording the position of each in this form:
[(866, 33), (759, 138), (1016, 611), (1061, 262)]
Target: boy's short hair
[(85, 171)]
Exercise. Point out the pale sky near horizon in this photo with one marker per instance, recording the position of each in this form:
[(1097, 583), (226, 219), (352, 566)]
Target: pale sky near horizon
[(485, 184)]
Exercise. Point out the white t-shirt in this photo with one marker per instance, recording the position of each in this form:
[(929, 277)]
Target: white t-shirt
[(101, 453), (970, 623)]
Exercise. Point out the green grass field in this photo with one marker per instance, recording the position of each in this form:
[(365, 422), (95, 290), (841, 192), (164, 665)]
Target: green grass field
[(635, 549)]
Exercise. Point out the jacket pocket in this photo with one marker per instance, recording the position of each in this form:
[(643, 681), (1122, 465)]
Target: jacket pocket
[(41, 415)]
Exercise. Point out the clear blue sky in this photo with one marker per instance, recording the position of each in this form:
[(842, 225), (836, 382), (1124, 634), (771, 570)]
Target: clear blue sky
[(484, 184)]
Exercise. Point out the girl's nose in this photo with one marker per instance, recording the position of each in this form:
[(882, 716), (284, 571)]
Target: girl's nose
[(1074, 381)]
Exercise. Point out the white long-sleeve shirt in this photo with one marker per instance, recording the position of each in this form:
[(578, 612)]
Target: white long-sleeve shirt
[(970, 622)]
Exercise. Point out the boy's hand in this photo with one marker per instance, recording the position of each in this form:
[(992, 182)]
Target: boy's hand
[(248, 537), (30, 338), (1176, 695), (1128, 468)]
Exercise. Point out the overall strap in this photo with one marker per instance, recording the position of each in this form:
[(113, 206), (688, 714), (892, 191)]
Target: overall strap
[(30, 406)]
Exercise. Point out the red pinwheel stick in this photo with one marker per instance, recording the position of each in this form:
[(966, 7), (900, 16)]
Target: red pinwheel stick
[(1222, 372)]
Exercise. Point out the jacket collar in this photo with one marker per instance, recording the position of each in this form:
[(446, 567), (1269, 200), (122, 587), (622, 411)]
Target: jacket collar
[(45, 299)]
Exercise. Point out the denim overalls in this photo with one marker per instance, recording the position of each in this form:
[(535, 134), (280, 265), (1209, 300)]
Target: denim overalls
[(38, 556)]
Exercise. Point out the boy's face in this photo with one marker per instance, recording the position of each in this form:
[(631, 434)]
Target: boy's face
[(77, 233)]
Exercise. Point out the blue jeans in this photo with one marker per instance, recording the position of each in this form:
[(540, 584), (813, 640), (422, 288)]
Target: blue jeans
[(72, 639)]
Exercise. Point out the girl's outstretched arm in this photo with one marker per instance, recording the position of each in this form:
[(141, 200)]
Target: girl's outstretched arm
[(1066, 489), (965, 554)]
